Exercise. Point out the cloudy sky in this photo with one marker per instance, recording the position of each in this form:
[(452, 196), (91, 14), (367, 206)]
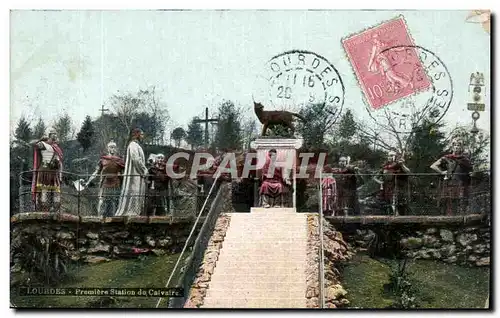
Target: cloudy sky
[(75, 60)]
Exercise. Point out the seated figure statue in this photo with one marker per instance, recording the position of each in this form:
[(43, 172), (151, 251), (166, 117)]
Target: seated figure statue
[(273, 182)]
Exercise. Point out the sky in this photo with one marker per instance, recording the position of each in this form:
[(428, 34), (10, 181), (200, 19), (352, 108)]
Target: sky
[(74, 61)]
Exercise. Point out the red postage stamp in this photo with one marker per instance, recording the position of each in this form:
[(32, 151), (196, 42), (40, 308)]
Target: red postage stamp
[(386, 66)]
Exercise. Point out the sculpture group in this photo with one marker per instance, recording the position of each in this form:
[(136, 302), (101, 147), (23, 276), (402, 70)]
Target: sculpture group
[(124, 184)]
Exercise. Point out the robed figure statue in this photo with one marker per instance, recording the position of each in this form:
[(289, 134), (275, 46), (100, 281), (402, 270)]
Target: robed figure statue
[(134, 183)]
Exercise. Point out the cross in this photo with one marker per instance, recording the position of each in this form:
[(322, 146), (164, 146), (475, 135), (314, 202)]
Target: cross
[(102, 110), (206, 121)]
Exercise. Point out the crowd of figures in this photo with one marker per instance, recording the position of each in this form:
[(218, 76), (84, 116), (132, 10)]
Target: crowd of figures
[(129, 186), (340, 185), (136, 186)]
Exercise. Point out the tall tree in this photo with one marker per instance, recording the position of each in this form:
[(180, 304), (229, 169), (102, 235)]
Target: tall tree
[(347, 126), (318, 122), (63, 127), (178, 134), (194, 134), (23, 130), (131, 109), (426, 145), (249, 132), (40, 129), (229, 134), (86, 134)]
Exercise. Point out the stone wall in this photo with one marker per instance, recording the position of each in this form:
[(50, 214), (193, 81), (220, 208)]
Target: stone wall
[(463, 245), (97, 239), (336, 250), (202, 280)]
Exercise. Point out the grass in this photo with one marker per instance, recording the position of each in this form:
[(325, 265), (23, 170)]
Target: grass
[(438, 285), (149, 272)]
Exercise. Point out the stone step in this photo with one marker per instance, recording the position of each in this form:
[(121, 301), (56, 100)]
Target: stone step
[(256, 303), (255, 293)]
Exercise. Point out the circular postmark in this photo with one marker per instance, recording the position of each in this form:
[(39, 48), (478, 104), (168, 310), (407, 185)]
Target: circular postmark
[(299, 79), (412, 66)]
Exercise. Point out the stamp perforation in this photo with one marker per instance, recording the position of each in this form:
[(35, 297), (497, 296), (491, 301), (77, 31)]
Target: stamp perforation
[(356, 72)]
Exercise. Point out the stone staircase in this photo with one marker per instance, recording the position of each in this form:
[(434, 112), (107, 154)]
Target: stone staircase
[(262, 262)]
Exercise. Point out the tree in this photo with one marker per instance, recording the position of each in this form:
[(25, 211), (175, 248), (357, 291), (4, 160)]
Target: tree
[(318, 122), (143, 108), (347, 126), (23, 130), (475, 145), (178, 134), (40, 129), (194, 134), (62, 126), (86, 134), (249, 132), (426, 145), (229, 134)]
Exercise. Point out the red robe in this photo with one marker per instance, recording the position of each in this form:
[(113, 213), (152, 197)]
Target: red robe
[(272, 186)]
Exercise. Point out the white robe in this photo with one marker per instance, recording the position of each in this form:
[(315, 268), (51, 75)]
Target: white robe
[(134, 186)]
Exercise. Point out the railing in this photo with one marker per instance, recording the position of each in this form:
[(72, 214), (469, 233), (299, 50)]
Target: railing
[(321, 272), (415, 194), (189, 270), (179, 198)]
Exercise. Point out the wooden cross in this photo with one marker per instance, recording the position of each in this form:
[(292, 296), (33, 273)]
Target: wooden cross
[(206, 121), (102, 110)]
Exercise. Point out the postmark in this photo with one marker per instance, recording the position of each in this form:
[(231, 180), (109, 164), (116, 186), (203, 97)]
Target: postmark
[(385, 76), (431, 104), (298, 79)]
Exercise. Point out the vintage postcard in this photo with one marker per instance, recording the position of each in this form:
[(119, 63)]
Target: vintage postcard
[(250, 159)]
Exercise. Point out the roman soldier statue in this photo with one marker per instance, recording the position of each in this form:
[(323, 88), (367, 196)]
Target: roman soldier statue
[(394, 185), (158, 194), (47, 174), (109, 169), (456, 169), (346, 179)]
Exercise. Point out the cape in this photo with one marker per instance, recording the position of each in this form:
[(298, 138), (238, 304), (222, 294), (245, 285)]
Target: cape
[(36, 163)]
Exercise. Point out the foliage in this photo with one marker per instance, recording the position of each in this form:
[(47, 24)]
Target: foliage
[(143, 109), (476, 146), (23, 130), (318, 122), (178, 134), (43, 256), (86, 134), (229, 132), (249, 132), (279, 131), (40, 129), (401, 286), (194, 134), (426, 145), (62, 126), (347, 126)]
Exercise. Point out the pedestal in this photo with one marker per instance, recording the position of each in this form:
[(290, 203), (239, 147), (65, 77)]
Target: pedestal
[(287, 155)]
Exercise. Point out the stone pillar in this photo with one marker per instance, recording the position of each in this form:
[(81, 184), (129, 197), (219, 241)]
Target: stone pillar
[(286, 149)]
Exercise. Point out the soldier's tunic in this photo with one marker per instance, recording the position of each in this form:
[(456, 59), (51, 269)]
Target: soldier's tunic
[(395, 187), (110, 168), (159, 197), (347, 201), (47, 169), (455, 190)]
